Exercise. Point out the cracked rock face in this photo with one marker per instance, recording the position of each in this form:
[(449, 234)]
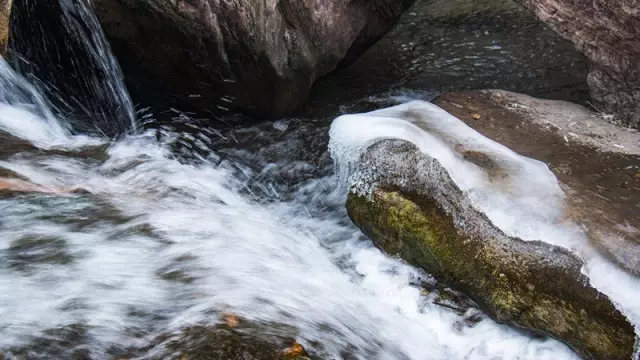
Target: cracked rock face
[(607, 32), (256, 56)]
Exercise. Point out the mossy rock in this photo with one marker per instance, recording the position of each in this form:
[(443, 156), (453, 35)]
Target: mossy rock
[(409, 206)]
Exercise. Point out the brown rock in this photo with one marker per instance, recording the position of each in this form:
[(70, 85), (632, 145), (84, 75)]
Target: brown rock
[(5, 11), (608, 33), (596, 162)]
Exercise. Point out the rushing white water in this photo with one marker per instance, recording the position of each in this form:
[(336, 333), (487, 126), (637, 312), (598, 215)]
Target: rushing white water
[(70, 60), (82, 23), (523, 199), (160, 244)]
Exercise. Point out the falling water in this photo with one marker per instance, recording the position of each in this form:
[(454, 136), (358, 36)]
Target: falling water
[(60, 46)]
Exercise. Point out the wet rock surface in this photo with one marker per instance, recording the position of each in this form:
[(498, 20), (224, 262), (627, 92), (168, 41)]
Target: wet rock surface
[(608, 33), (423, 217), (596, 162)]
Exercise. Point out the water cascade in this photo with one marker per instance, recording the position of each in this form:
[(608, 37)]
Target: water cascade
[(61, 48)]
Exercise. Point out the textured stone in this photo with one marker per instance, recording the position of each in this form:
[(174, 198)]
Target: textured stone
[(261, 56), (608, 33)]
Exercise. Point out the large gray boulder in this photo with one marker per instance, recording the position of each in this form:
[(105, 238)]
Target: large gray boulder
[(259, 56), (607, 32)]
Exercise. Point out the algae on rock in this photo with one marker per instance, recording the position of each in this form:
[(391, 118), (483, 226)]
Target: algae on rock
[(424, 218)]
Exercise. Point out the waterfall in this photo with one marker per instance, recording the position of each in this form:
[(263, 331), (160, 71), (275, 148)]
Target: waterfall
[(61, 48)]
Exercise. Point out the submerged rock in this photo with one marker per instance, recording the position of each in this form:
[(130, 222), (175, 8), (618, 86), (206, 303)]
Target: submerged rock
[(225, 342), (258, 56), (608, 33), (407, 203), (242, 341)]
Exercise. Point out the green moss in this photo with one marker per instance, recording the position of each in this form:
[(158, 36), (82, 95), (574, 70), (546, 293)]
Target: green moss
[(509, 278)]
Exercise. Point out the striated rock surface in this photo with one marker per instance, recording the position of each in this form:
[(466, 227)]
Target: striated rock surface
[(408, 205), (608, 33), (256, 56)]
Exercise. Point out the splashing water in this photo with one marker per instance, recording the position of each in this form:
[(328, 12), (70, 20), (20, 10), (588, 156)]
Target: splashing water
[(159, 244), (524, 201)]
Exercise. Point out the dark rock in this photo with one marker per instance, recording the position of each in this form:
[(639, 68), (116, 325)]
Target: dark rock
[(423, 217), (11, 145), (225, 342), (260, 57)]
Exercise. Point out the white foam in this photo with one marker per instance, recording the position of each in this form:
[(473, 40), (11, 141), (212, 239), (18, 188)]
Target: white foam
[(525, 200), (270, 262)]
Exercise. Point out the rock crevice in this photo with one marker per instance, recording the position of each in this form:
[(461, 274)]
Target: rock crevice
[(607, 32)]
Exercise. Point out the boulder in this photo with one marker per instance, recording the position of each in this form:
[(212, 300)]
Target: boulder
[(407, 203), (260, 57), (594, 160), (608, 33)]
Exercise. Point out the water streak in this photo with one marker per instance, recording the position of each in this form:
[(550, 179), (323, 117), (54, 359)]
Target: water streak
[(61, 47)]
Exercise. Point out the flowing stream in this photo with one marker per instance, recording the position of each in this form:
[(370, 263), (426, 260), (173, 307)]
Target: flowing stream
[(61, 49), (159, 242)]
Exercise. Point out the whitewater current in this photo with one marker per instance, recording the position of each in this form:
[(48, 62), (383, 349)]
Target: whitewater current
[(159, 243)]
